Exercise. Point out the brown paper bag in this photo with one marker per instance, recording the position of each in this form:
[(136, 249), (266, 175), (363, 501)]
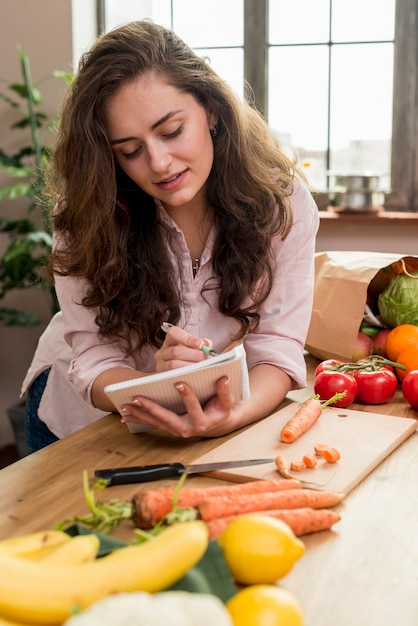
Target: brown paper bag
[(345, 282)]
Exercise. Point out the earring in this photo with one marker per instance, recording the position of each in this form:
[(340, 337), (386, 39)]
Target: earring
[(214, 131)]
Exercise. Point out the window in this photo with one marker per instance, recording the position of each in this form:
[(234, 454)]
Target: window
[(336, 79)]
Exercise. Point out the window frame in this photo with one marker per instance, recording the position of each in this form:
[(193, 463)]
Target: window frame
[(404, 150)]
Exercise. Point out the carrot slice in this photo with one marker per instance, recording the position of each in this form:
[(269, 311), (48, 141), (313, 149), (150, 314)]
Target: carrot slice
[(297, 466), (330, 454), (282, 466), (310, 460)]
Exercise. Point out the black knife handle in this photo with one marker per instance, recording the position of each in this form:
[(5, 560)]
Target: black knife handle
[(140, 474)]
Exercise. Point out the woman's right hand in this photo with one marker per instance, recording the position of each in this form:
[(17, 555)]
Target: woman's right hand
[(180, 348)]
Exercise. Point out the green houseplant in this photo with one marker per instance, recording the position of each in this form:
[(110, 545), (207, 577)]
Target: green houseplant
[(25, 234), (29, 236)]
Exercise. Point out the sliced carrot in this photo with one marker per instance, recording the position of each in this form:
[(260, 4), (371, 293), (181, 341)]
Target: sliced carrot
[(305, 417), (223, 506), (330, 454), (310, 460), (282, 466), (297, 466), (302, 521), (150, 505)]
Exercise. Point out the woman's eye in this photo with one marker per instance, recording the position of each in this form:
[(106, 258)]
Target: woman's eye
[(131, 155), (175, 133)]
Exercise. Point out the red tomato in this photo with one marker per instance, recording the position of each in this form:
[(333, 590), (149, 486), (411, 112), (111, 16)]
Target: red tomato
[(375, 387), (326, 365), (330, 382), (410, 388)]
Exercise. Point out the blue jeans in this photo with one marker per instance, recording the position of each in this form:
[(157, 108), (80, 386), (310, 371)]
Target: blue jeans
[(37, 432)]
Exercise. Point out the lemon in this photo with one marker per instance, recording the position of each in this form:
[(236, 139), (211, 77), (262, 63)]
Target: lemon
[(259, 548), (265, 605)]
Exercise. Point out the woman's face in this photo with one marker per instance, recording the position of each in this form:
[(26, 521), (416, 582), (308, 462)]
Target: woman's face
[(161, 139)]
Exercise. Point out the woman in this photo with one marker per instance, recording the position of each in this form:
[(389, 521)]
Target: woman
[(174, 204)]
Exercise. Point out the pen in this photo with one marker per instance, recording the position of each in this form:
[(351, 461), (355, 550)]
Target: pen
[(205, 349)]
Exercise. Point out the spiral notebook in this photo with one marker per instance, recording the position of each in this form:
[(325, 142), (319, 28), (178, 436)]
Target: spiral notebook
[(200, 376)]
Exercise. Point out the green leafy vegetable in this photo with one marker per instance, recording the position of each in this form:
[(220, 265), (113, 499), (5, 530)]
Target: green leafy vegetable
[(398, 303)]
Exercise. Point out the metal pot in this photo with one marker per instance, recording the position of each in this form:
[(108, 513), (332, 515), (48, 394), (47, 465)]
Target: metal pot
[(358, 200), (357, 182)]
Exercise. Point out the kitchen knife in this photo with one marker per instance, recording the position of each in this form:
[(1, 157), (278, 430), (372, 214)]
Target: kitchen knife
[(145, 473)]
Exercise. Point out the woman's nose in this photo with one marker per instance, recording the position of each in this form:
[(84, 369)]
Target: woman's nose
[(159, 157)]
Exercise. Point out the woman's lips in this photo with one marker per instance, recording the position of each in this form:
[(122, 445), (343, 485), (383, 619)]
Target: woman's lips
[(172, 182)]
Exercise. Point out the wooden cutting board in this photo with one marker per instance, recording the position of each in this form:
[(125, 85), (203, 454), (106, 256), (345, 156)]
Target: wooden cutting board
[(363, 439)]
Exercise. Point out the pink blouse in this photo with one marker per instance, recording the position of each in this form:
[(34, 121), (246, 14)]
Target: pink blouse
[(71, 348)]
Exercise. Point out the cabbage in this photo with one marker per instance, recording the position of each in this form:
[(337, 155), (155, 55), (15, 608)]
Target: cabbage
[(398, 303)]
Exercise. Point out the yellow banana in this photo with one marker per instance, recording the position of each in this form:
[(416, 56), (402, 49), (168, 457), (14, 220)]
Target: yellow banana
[(43, 593), (34, 545), (81, 549), (4, 621)]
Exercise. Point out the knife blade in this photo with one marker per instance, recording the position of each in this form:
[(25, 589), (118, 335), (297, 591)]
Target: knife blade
[(145, 473)]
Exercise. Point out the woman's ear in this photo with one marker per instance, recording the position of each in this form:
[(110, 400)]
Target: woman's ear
[(212, 119)]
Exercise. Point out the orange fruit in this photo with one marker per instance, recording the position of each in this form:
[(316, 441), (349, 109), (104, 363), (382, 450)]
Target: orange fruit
[(409, 358), (400, 338)]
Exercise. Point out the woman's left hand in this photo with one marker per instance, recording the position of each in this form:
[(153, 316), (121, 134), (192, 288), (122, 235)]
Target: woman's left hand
[(196, 421), (221, 414)]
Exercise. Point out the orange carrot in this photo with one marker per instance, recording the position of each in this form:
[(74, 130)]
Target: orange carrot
[(223, 506), (297, 466), (330, 454), (310, 460), (150, 505), (282, 466), (305, 417), (302, 521)]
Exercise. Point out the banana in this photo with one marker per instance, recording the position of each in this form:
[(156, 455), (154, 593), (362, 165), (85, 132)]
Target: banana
[(42, 593), (81, 549), (7, 622), (34, 545)]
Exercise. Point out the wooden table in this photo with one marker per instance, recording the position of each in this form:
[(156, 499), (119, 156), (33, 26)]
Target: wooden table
[(363, 573)]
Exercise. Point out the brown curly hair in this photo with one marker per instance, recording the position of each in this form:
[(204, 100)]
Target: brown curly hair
[(115, 246)]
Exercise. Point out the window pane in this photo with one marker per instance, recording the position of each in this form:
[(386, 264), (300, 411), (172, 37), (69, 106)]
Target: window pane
[(229, 64), (298, 21), (363, 20), (298, 104), (122, 11), (214, 23), (361, 107)]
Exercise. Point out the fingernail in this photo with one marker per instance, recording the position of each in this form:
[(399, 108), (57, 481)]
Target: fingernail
[(179, 386), (137, 402)]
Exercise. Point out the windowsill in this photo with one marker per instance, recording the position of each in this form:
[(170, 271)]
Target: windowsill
[(382, 217)]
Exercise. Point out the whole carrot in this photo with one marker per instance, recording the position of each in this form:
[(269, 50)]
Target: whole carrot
[(151, 505), (302, 521), (223, 506), (306, 415)]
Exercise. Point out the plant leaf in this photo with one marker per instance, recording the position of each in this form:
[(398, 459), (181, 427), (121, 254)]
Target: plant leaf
[(17, 190), (18, 170), (12, 317)]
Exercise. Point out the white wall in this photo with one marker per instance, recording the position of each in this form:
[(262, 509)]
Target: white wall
[(378, 236)]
